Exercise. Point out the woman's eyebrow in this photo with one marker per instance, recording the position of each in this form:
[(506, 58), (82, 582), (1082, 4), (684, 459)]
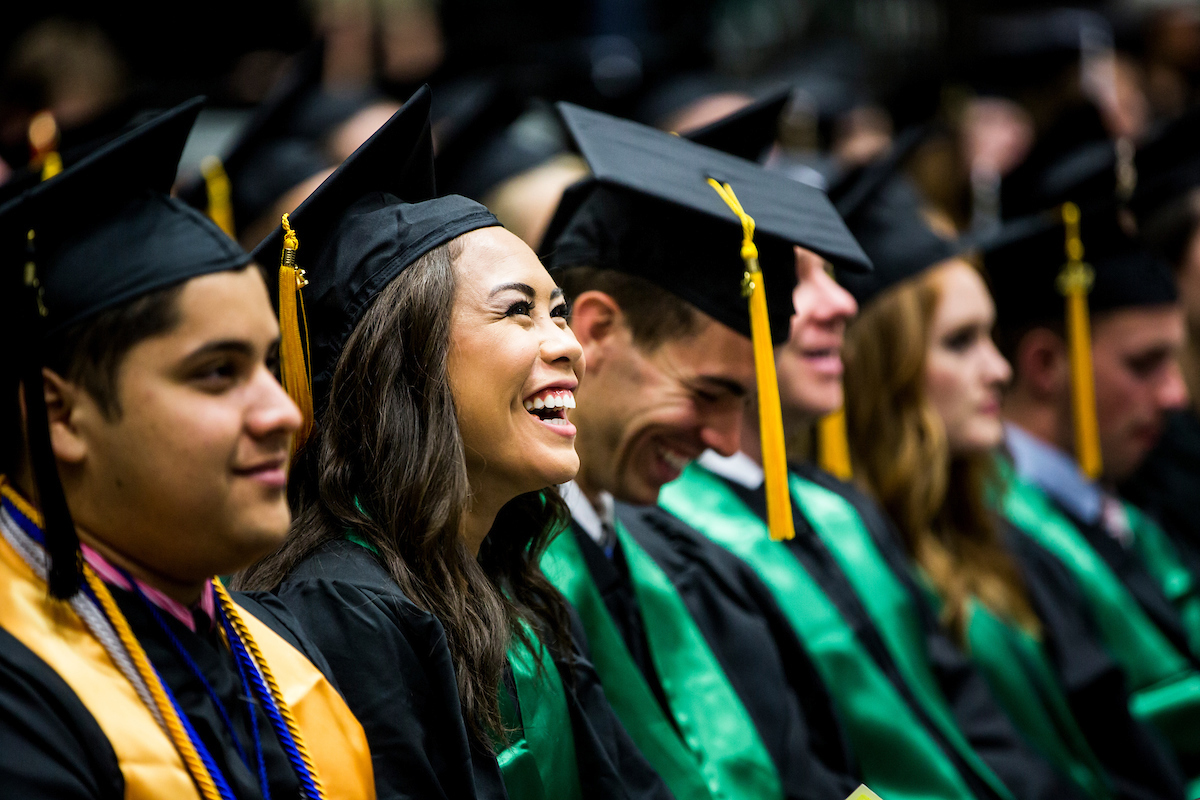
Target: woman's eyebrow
[(523, 288), (557, 293)]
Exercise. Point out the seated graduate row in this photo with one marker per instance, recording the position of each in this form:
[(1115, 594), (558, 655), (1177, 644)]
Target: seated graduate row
[(430, 617)]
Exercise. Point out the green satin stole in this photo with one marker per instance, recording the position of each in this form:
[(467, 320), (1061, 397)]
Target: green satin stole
[(538, 762), (1165, 687), (713, 749), (899, 758), (1026, 685), (1158, 554)]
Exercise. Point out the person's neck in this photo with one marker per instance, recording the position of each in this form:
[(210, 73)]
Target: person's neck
[(481, 515), (1040, 420), (184, 591)]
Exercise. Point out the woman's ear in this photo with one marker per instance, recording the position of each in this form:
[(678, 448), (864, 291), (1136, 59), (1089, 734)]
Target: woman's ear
[(596, 320), (63, 404)]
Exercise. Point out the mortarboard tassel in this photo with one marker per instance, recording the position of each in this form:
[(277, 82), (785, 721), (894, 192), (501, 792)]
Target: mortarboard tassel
[(216, 182), (1075, 281), (43, 142), (833, 449), (61, 540), (293, 362), (770, 417)]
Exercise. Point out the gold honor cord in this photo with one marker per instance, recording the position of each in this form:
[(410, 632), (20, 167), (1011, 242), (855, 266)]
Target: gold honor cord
[(833, 448), (294, 370), (220, 204), (1075, 282), (179, 737), (863, 793), (770, 417)]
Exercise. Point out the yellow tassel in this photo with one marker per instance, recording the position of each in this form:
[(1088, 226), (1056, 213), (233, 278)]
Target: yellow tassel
[(1075, 281), (220, 206), (294, 370), (770, 417), (833, 448), (43, 141)]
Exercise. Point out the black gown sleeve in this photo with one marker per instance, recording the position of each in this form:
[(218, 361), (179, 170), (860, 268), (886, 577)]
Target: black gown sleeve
[(51, 747), (979, 716), (394, 668), (759, 652), (1133, 754), (610, 765)]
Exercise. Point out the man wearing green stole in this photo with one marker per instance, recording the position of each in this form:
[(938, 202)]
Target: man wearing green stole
[(693, 652), (1088, 402), (921, 720)]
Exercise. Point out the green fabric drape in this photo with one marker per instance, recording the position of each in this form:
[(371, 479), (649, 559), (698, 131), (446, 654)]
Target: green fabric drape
[(899, 758), (712, 749)]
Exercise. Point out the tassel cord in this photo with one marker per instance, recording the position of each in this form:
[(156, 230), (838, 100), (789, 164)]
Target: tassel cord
[(770, 416)]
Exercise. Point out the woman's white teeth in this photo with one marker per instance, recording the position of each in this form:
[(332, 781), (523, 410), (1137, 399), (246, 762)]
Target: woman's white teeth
[(551, 400)]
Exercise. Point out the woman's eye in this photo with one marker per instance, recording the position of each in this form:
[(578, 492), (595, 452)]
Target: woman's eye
[(960, 341), (520, 309), (561, 310)]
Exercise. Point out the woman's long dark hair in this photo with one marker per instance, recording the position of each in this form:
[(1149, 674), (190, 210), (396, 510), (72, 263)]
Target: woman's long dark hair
[(386, 461)]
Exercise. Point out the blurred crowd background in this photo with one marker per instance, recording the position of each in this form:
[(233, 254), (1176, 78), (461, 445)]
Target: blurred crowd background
[(294, 87)]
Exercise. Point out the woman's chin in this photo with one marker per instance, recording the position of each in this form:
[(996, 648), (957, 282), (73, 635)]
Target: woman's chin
[(553, 469)]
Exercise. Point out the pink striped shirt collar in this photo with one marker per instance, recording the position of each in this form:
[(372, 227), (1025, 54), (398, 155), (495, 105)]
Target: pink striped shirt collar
[(110, 574)]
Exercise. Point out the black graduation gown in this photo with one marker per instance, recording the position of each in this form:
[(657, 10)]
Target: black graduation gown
[(1135, 757), (984, 724), (393, 662), (1168, 483), (52, 748), (1128, 567), (759, 653)]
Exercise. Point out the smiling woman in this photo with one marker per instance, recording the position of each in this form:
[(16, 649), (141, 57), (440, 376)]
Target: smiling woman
[(443, 367)]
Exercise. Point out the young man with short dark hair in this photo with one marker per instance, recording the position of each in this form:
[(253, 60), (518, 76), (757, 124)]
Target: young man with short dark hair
[(145, 451)]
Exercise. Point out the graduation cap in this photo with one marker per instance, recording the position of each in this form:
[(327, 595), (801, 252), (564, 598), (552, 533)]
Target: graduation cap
[(363, 226), (486, 134), (269, 155), (709, 227), (882, 208), (1039, 275), (747, 132), (100, 234)]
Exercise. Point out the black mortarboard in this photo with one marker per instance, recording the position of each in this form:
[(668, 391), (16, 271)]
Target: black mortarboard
[(269, 155), (710, 228), (649, 210), (1025, 257), (364, 225), (882, 208), (104, 232), (747, 132), (479, 144)]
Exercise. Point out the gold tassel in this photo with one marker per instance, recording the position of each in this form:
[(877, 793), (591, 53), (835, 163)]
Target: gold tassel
[(1075, 281), (220, 206), (294, 370), (770, 417), (43, 142), (833, 447)]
